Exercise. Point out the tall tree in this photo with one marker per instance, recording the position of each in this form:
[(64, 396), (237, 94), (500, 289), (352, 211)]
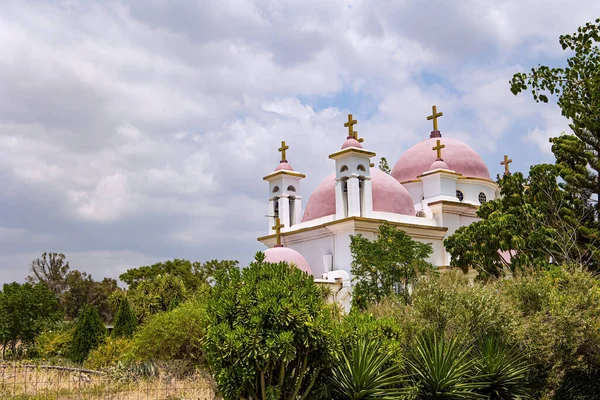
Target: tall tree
[(83, 289), (89, 333), (125, 320), (157, 294), (51, 269), (25, 310), (387, 265), (576, 89)]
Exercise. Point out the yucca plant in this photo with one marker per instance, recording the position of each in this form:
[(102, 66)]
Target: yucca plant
[(503, 370), (442, 369), (363, 372)]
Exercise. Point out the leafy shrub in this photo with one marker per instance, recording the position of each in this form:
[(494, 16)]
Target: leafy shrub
[(270, 332), (125, 320), (55, 342), (109, 353), (173, 335), (89, 333)]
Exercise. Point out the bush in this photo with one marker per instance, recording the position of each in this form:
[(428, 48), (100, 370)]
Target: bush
[(173, 335), (125, 320), (270, 332), (109, 353), (55, 342), (89, 333)]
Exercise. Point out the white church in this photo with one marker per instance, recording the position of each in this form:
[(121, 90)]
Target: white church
[(434, 188)]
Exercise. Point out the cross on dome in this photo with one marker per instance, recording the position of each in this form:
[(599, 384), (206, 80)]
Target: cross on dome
[(282, 150), (438, 147), (434, 116), (277, 228), (359, 140), (350, 125), (505, 163)]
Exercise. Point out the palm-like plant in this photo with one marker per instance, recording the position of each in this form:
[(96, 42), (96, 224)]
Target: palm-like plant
[(503, 369), (363, 372), (442, 369)]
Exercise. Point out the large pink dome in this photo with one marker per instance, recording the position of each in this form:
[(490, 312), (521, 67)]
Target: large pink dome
[(291, 256), (459, 157), (388, 196)]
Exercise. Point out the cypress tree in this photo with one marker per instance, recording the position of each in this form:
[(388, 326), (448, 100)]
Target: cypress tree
[(125, 320), (89, 333)]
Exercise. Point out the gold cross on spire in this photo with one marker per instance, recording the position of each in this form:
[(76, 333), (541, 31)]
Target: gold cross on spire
[(350, 125), (438, 147), (359, 140), (277, 227), (282, 149), (434, 116), (505, 163)]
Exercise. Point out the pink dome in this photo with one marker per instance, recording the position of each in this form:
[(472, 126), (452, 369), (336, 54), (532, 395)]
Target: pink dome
[(438, 164), (284, 166), (388, 196), (459, 157), (351, 142), (291, 256)]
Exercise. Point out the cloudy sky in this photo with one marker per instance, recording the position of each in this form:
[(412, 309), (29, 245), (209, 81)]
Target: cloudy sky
[(138, 131)]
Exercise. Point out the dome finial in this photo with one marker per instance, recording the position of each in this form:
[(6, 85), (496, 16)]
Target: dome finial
[(505, 163), (434, 116), (438, 147), (350, 125), (277, 227)]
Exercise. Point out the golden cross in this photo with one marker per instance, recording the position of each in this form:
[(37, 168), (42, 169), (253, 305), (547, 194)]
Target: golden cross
[(350, 124), (282, 149), (505, 163), (439, 148), (277, 227), (359, 140), (435, 115)]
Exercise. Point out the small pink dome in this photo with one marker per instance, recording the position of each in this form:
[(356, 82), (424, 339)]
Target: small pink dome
[(284, 166), (351, 142), (459, 157), (388, 196), (438, 164), (291, 256)]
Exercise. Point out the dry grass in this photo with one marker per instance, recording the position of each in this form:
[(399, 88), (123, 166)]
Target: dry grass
[(55, 383)]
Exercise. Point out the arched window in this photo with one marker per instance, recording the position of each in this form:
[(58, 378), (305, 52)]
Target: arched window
[(344, 168), (482, 198), (291, 188), (276, 207), (361, 168), (276, 189), (460, 195)]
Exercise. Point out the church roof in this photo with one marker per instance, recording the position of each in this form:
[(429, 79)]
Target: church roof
[(388, 196), (457, 155), (291, 256)]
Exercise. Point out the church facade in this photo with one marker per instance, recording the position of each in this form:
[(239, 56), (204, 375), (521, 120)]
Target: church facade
[(434, 188)]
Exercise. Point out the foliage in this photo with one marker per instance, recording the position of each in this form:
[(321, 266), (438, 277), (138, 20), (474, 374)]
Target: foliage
[(383, 165), (125, 321), (362, 371), (576, 88), (54, 342), (379, 266), (442, 369), (173, 335), (269, 332), (83, 289), (51, 269), (25, 310), (110, 353), (193, 274), (157, 294), (501, 370), (89, 333)]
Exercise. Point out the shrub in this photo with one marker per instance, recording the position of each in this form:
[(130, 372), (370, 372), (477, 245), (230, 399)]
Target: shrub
[(270, 332), (173, 335), (54, 342), (125, 320), (109, 353), (89, 333)]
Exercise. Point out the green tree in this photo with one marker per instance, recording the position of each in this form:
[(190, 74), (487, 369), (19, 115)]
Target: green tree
[(25, 310), (51, 269), (387, 265), (383, 165), (125, 321), (83, 289), (576, 88), (157, 294), (89, 333), (269, 333)]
